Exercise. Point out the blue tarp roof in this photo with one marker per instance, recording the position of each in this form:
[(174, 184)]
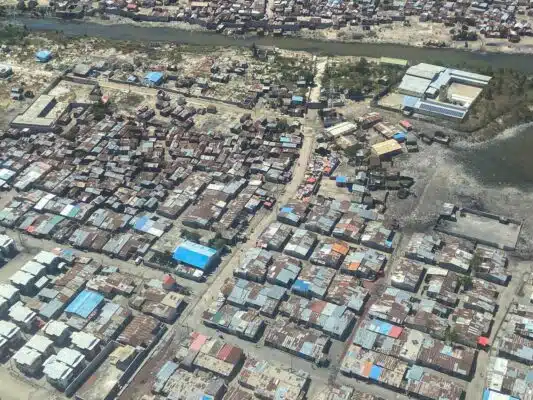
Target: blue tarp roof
[(154, 77), (400, 137), (141, 222), (43, 55), (381, 326), (286, 209), (341, 179), (375, 372), (298, 98), (194, 254), (85, 303)]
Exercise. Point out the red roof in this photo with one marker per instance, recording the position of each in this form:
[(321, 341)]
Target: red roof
[(395, 331), (483, 341), (198, 342), (168, 280), (224, 352), (318, 306), (234, 356)]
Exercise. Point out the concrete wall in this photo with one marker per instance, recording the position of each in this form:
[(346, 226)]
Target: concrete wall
[(90, 368)]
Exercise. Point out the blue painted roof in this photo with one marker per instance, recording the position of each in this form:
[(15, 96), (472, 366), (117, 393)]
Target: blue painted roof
[(301, 286), (341, 179), (375, 372), (298, 98), (410, 101), (85, 303), (489, 395), (381, 327), (154, 77), (194, 254), (445, 109)]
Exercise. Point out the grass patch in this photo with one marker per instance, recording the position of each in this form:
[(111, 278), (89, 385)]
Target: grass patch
[(362, 77), (505, 102)]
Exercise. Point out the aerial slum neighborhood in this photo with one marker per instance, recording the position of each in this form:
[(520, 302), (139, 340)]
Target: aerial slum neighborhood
[(193, 247), (462, 20)]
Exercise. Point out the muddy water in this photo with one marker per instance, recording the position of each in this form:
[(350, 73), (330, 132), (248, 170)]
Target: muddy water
[(505, 161), (171, 34)]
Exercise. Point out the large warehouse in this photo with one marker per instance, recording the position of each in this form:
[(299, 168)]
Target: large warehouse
[(440, 91)]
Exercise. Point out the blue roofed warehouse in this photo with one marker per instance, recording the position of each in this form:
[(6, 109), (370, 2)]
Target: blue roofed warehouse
[(195, 255)]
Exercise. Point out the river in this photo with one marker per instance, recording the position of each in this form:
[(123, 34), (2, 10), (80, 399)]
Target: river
[(157, 33)]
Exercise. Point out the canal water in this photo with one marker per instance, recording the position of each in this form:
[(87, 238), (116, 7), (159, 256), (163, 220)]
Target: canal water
[(523, 62)]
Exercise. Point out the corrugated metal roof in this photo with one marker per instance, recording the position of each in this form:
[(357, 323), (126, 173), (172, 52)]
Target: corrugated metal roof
[(85, 303)]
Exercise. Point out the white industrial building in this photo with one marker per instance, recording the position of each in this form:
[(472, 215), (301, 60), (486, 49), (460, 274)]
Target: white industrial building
[(423, 83)]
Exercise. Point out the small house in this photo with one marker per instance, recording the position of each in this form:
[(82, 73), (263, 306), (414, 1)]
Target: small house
[(154, 78), (22, 316), (58, 374), (41, 344), (57, 331), (85, 343), (43, 56), (28, 360)]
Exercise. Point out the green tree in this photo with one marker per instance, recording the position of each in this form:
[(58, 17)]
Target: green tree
[(100, 109)]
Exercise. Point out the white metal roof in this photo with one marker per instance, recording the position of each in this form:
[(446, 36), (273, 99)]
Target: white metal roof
[(33, 268), (21, 313), (8, 291), (45, 257), (8, 329), (56, 370), (70, 357), (26, 356), (21, 278), (55, 328), (39, 343), (84, 341)]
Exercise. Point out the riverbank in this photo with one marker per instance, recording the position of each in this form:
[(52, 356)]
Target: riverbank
[(158, 33), (415, 34)]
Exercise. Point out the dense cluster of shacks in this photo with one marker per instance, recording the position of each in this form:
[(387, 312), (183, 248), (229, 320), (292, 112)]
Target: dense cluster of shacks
[(82, 325), (301, 286), (494, 19), (207, 367), (129, 188), (203, 366), (509, 370), (437, 314)]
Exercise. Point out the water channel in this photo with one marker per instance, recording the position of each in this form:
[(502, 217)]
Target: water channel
[(158, 33)]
